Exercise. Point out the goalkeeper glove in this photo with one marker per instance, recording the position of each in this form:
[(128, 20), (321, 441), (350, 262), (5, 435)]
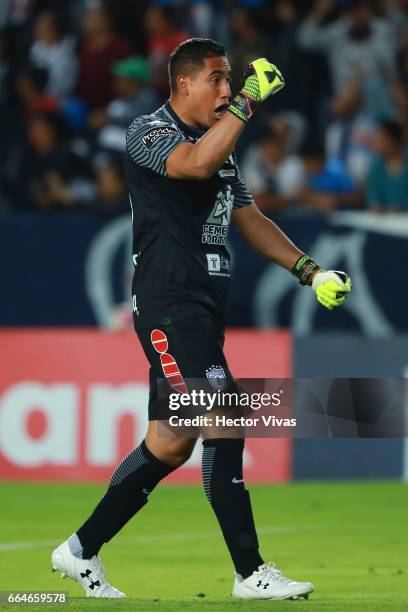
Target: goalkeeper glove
[(262, 79), (331, 286)]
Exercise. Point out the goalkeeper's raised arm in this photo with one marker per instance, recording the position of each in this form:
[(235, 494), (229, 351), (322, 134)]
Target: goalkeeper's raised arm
[(212, 85)]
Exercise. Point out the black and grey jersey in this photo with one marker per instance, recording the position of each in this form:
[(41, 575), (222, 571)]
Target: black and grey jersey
[(180, 227)]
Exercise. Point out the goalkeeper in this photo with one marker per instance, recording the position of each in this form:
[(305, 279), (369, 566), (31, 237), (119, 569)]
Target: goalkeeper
[(185, 189)]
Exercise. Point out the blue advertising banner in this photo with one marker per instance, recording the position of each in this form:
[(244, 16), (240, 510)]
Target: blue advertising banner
[(73, 269), (371, 248)]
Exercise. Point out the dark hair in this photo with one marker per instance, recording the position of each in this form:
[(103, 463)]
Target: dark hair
[(169, 12), (313, 148), (190, 55), (37, 76), (54, 120), (59, 20), (393, 130)]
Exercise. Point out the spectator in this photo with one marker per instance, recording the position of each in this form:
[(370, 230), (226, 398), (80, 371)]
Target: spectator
[(54, 49), (403, 75), (361, 52), (100, 48), (248, 42), (16, 16), (326, 184), (31, 86), (112, 196), (5, 72), (367, 57), (403, 60), (387, 185), (273, 176), (396, 12), (279, 179), (135, 96), (300, 67), (163, 36), (48, 156), (202, 18), (210, 19), (129, 18), (53, 180)]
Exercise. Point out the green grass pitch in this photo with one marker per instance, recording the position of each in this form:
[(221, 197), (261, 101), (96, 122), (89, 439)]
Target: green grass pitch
[(349, 539)]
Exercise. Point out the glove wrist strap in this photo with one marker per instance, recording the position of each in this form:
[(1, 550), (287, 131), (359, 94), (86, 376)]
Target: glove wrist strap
[(305, 269), (243, 106)]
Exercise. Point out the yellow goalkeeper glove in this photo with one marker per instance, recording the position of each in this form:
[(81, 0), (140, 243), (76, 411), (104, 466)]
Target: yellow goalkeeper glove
[(331, 286), (262, 79)]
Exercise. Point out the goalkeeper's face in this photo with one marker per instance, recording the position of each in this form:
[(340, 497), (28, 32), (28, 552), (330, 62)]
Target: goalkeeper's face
[(208, 91)]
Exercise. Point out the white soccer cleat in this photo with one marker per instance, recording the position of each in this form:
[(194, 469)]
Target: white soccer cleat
[(89, 573), (269, 583)]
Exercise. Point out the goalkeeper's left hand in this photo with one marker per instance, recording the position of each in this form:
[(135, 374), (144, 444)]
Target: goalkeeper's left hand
[(262, 79), (331, 286)]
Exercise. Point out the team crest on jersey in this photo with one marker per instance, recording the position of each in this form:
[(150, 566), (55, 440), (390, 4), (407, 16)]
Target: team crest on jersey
[(216, 377), (215, 230), (221, 212)]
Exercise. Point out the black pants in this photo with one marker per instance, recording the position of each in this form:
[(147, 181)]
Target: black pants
[(181, 355)]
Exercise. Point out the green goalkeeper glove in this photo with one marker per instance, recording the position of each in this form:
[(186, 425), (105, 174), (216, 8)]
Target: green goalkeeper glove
[(262, 79), (331, 286)]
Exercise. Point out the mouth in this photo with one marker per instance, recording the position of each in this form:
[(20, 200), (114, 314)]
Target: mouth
[(220, 110)]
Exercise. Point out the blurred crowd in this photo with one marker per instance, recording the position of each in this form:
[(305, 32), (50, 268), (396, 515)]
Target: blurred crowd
[(74, 74)]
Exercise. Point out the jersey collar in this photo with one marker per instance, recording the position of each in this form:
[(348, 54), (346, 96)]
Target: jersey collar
[(188, 129)]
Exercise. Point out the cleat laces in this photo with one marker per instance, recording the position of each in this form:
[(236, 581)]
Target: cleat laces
[(269, 571)]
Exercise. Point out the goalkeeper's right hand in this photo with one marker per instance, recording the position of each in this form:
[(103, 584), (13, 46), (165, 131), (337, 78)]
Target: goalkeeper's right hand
[(262, 79)]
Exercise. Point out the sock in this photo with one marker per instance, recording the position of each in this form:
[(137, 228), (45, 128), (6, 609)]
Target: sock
[(75, 546), (224, 486), (132, 481)]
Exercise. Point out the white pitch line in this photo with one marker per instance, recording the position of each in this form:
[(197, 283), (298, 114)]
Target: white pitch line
[(10, 546), (170, 537)]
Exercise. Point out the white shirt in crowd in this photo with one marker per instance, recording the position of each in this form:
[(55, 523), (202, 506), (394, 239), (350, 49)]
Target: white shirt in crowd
[(61, 62), (285, 179)]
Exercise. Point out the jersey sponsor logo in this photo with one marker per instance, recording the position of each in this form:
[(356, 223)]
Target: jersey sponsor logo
[(154, 134), (215, 230), (216, 377), (224, 173), (213, 262), (214, 234), (217, 265)]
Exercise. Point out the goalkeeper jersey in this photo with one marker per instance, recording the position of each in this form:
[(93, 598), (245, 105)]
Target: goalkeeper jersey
[(180, 227)]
